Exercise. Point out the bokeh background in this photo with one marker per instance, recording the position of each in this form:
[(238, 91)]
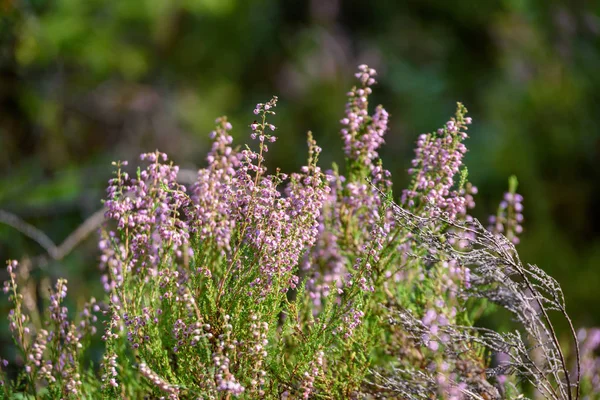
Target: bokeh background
[(83, 83)]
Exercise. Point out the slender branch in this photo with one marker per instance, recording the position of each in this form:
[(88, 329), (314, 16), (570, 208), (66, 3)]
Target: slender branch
[(54, 252), (30, 231)]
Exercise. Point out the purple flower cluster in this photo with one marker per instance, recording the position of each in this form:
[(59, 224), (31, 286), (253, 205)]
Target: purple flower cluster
[(256, 351), (315, 369), (213, 194), (438, 160), (363, 133), (353, 202), (3, 366), (350, 321), (36, 358), (325, 263), (224, 378), (433, 320), (279, 227), (109, 377), (148, 213), (509, 217)]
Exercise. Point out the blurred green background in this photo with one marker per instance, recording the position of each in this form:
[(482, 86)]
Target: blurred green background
[(85, 82)]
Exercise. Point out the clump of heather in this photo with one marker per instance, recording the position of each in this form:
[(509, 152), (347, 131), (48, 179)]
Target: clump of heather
[(51, 360), (258, 284)]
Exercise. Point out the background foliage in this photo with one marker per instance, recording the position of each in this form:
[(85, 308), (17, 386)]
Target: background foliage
[(83, 83)]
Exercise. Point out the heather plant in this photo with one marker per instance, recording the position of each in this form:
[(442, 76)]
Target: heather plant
[(314, 284), (50, 347)]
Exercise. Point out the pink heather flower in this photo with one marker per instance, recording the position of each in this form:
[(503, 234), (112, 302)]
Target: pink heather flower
[(351, 320), (362, 133), (429, 317), (213, 194), (354, 199), (310, 376), (282, 226), (509, 216), (438, 160), (148, 208), (433, 345)]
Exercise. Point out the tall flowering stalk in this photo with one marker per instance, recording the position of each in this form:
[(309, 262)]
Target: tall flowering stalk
[(212, 193), (509, 217), (438, 161), (353, 201)]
